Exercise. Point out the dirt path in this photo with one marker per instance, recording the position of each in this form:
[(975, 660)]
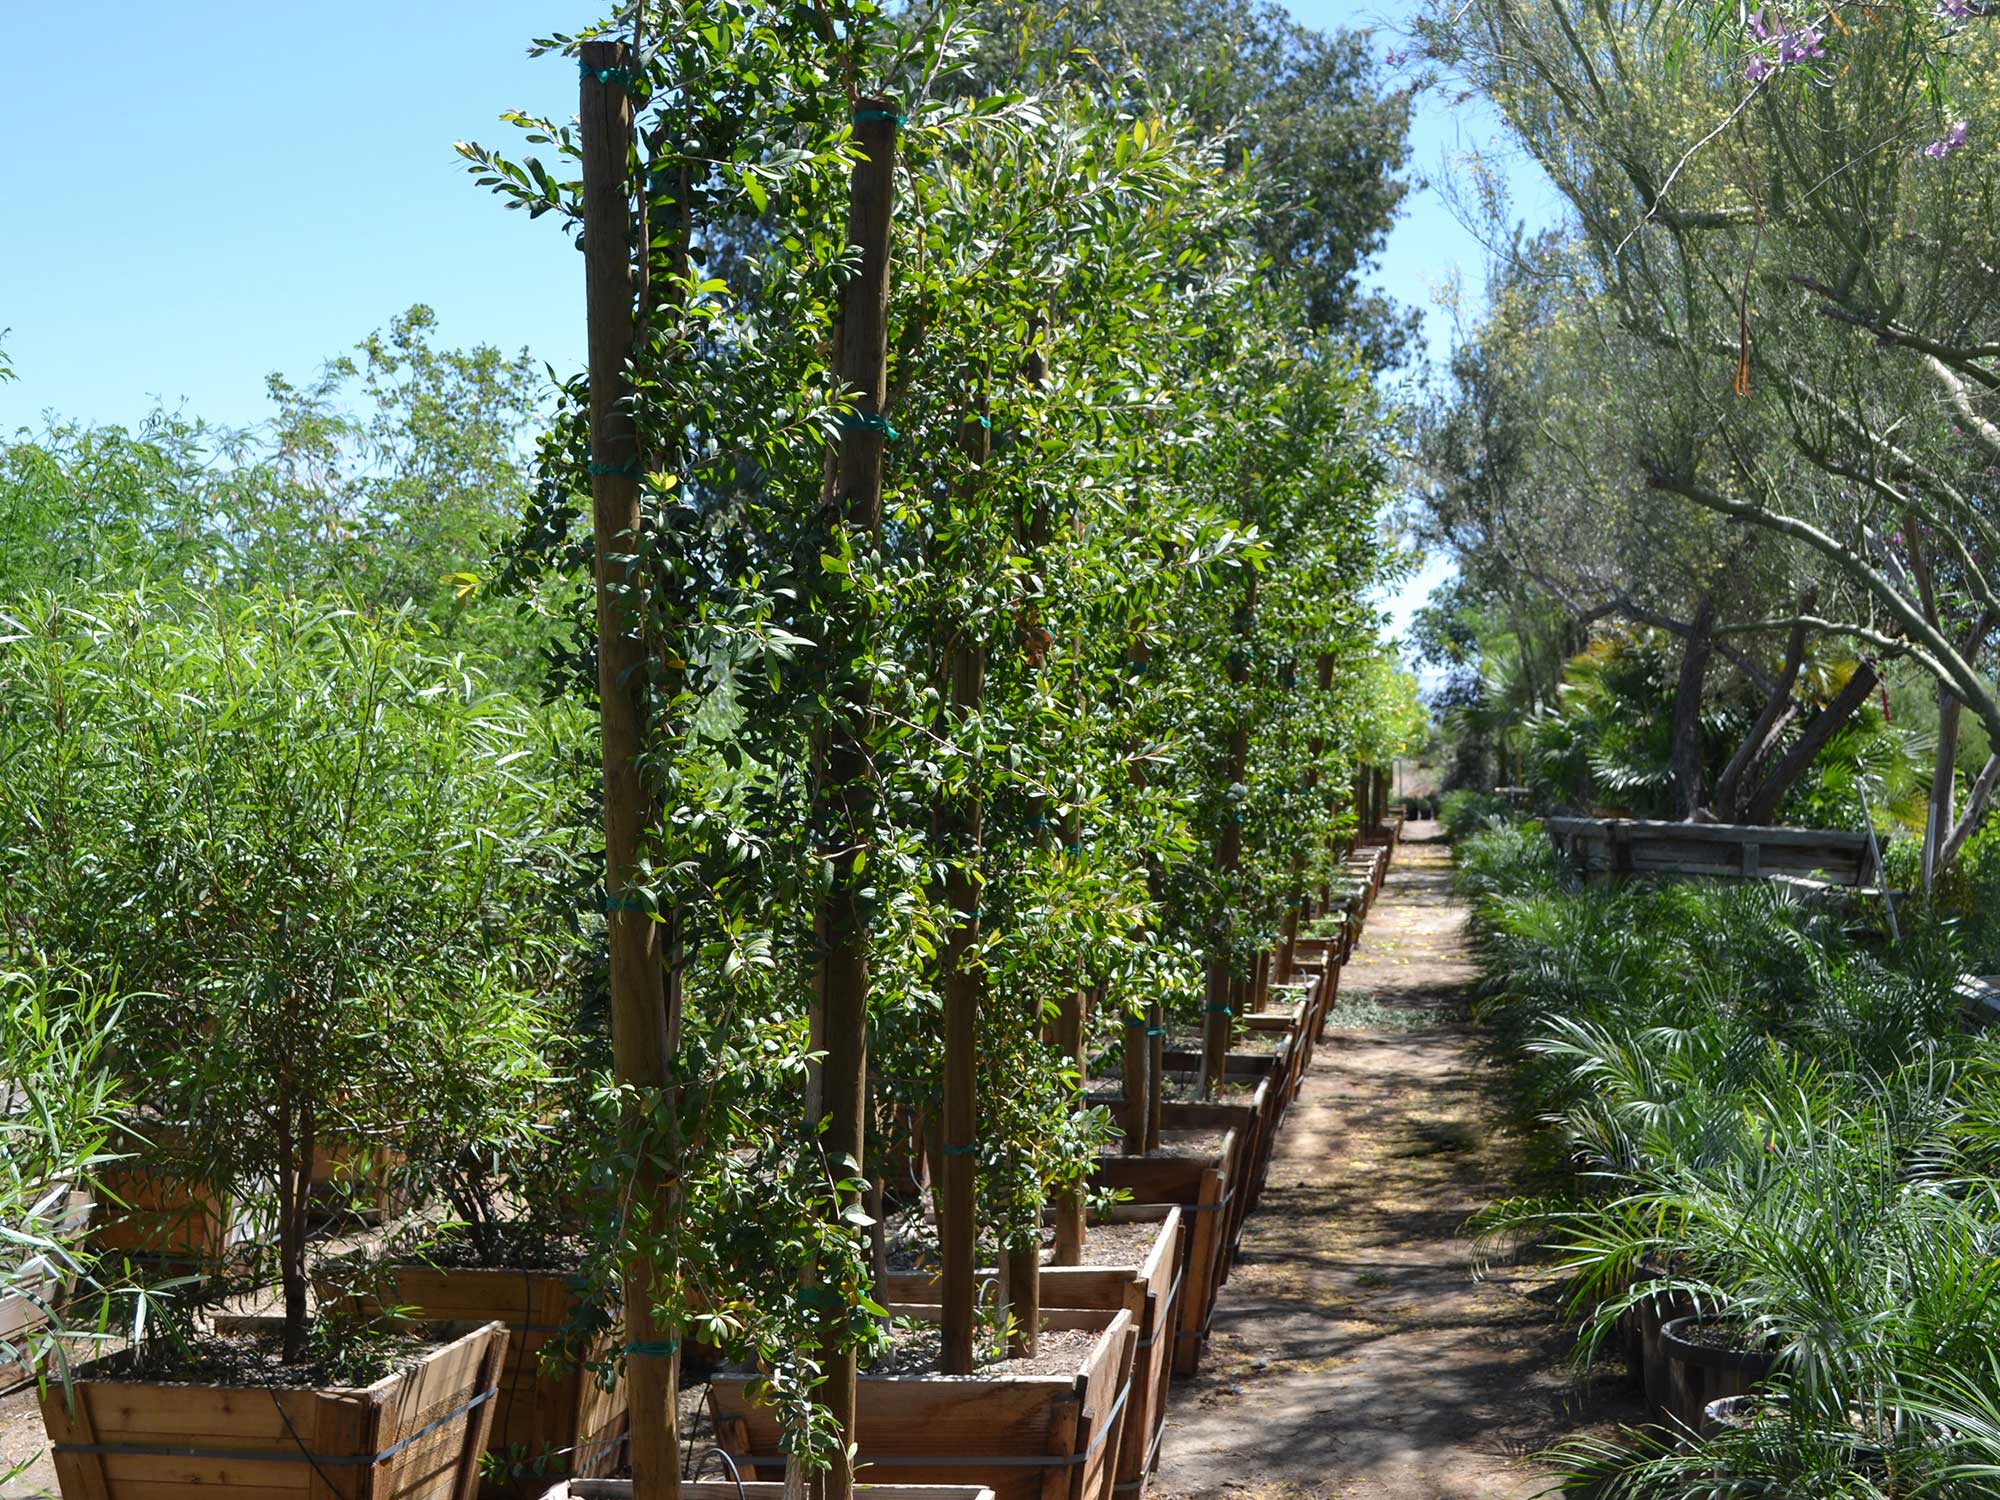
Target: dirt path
[(1354, 1354)]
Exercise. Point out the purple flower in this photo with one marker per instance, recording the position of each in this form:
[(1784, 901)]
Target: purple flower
[(1800, 46), (1955, 10), (1760, 28), (1396, 59), (1952, 140), (1757, 69)]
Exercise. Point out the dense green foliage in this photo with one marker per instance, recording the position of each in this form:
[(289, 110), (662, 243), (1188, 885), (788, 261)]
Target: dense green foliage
[(1738, 393), (1126, 468)]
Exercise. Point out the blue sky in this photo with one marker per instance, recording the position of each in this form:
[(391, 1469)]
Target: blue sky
[(210, 191)]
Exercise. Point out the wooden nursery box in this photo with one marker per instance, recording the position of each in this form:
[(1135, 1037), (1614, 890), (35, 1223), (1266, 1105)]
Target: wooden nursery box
[(1605, 848), (1201, 1186), (1264, 1072), (1150, 1290), (413, 1435), (1247, 1123), (1294, 1024), (546, 1422), (152, 1211), (1046, 1437)]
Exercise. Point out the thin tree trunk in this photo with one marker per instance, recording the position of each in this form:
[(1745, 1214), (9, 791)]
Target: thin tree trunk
[(1944, 784), (1977, 800), (960, 826), (1132, 1073), (1687, 757), (1023, 1261)]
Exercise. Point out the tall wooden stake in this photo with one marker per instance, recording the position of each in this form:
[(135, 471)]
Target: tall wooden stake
[(960, 826), (639, 1013), (843, 797)]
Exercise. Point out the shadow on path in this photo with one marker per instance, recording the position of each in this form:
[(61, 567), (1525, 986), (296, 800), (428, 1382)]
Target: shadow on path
[(1354, 1351)]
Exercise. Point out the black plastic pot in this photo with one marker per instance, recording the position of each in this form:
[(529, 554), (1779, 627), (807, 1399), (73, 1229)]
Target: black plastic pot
[(1701, 1372), (1648, 1316)]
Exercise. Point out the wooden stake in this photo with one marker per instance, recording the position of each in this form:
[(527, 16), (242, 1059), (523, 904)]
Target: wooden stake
[(843, 794), (639, 1019)]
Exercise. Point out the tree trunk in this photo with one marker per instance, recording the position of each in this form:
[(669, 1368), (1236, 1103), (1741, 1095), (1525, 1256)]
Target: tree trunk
[(1687, 757), (1132, 1072), (1820, 728), (1977, 800), (1763, 737), (1024, 1285), (1944, 784), (960, 826)]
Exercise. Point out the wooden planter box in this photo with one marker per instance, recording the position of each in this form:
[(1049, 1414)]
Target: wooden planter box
[(1149, 1290), (1249, 1122), (1048, 1437), (1979, 999), (1294, 1024), (414, 1435), (1255, 1068), (1605, 848), (154, 1212), (1315, 986), (724, 1489), (552, 1423), (1369, 866), (1202, 1188)]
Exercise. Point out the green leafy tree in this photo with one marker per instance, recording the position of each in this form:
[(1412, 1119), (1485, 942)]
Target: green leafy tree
[(311, 839)]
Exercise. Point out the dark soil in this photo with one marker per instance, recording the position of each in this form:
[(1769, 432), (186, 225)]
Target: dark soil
[(1103, 1245), (1261, 1042), (1190, 1143), (917, 1353), (1722, 1334), (1185, 1088), (255, 1361), (512, 1247)]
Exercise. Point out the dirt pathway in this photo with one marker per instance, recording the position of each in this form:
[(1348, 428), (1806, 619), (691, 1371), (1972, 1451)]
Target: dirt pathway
[(1354, 1354)]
